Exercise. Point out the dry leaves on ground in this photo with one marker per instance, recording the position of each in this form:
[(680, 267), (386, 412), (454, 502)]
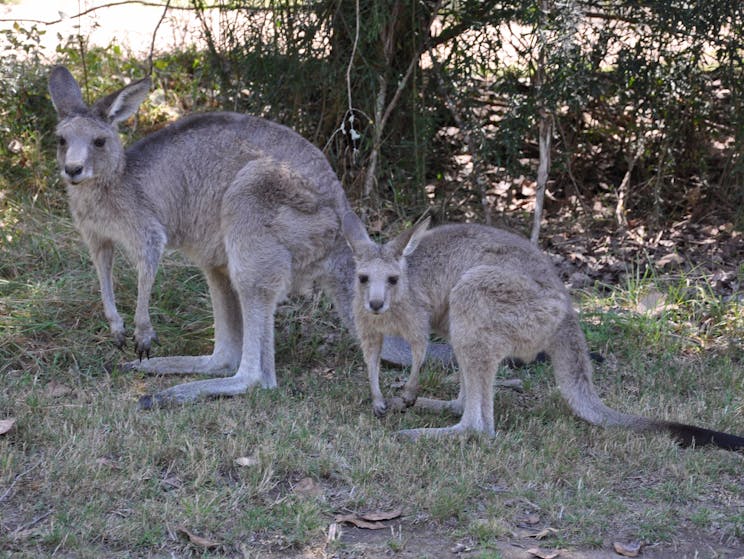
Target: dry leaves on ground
[(56, 390), (6, 425), (195, 540), (308, 487), (544, 553), (247, 461), (369, 520), (631, 549)]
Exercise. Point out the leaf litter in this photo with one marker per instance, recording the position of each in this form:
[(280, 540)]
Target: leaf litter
[(6, 425), (196, 540), (369, 520)]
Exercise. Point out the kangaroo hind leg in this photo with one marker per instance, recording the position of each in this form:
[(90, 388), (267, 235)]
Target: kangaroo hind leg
[(479, 333), (495, 312), (259, 283)]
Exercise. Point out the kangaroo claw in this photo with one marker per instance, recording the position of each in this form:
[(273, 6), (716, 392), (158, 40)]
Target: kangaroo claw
[(120, 340), (380, 409)]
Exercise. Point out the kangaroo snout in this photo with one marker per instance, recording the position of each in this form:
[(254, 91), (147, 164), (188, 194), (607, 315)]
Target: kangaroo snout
[(73, 172), (376, 305)]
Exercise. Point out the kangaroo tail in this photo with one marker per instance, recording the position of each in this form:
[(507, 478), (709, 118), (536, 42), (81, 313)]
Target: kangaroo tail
[(573, 373), (689, 435)]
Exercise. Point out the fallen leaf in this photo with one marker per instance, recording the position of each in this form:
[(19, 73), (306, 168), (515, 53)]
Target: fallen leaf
[(247, 461), (109, 463), (15, 146), (627, 549), (369, 520), (169, 483), (197, 540), (381, 515), (359, 522), (544, 533), (6, 425), (325, 372), (55, 390), (543, 553), (308, 487), (670, 259)]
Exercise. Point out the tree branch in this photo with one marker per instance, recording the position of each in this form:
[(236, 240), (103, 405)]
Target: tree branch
[(154, 35)]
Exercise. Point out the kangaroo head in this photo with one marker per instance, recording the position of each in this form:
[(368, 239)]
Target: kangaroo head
[(88, 144), (381, 278)]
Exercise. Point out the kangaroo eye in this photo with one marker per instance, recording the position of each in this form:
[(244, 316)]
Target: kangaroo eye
[(61, 142), (393, 280), (363, 278), (99, 142)]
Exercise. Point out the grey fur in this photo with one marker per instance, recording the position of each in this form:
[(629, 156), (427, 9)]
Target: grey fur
[(493, 295), (249, 201)]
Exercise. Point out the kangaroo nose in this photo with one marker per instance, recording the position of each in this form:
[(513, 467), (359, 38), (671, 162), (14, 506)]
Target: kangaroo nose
[(73, 171), (376, 304)]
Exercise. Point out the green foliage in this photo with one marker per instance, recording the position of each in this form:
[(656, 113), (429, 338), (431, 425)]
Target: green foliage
[(654, 91)]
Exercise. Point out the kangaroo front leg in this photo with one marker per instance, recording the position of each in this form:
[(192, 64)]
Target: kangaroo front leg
[(410, 391), (103, 258), (147, 267), (372, 349)]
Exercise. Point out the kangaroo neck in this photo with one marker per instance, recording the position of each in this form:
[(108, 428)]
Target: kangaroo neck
[(338, 281)]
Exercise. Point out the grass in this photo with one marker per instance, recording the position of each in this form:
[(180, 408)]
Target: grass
[(84, 473)]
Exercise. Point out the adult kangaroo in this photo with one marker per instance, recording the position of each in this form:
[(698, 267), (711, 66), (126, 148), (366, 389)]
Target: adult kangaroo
[(494, 295), (252, 203)]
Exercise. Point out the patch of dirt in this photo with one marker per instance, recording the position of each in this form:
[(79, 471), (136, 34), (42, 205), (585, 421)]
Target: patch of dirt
[(405, 541)]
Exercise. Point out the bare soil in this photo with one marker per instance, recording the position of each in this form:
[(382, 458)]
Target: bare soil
[(406, 541)]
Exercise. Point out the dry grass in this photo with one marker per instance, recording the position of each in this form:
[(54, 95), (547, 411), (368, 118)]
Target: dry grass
[(84, 473)]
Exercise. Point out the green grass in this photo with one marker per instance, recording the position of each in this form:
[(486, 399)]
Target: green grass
[(89, 475)]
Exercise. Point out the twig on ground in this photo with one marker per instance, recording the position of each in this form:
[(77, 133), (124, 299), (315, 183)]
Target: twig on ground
[(33, 523), (18, 477)]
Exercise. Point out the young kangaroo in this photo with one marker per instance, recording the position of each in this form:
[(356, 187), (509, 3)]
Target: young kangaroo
[(493, 295), (250, 202)]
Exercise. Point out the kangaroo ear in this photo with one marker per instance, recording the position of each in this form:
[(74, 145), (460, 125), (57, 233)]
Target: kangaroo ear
[(65, 92), (122, 104), (354, 232), (405, 243)]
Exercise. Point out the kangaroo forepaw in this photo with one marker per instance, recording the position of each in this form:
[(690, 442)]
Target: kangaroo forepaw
[(120, 339), (409, 399), (380, 408)]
